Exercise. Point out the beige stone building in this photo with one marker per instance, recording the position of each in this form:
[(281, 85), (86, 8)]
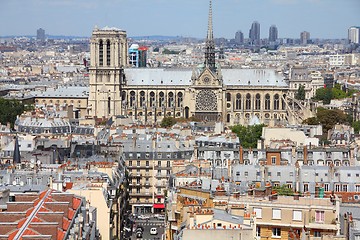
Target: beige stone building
[(207, 92), (288, 217)]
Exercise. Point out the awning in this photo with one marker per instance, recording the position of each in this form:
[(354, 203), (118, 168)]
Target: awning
[(159, 205)]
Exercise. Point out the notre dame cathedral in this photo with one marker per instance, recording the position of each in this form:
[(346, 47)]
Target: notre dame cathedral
[(207, 92)]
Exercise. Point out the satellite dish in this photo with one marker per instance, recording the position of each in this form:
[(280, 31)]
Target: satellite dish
[(32, 165), (32, 161), (21, 183), (14, 183), (38, 162)]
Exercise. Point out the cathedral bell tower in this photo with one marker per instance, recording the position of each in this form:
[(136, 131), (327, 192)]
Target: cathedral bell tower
[(108, 57)]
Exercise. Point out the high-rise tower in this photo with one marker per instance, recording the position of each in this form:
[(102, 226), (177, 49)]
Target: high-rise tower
[(239, 37), (354, 35), (304, 37), (273, 33), (40, 35), (210, 44), (108, 50), (254, 33)]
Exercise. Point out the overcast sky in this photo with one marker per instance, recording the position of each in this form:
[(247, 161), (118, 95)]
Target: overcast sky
[(188, 18)]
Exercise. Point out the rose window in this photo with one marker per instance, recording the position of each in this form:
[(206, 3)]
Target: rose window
[(206, 100)]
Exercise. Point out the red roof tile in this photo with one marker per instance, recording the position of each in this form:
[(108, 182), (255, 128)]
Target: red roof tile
[(66, 223), (71, 213), (60, 234), (76, 203)]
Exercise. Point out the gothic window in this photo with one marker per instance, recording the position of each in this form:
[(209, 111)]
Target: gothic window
[(109, 105), (206, 100), (248, 102), (283, 102), (257, 102), (101, 53), (171, 99), (276, 102), (108, 52), (228, 97), (142, 99), (238, 101), (132, 99), (152, 99), (179, 99), (123, 96), (161, 99), (267, 102)]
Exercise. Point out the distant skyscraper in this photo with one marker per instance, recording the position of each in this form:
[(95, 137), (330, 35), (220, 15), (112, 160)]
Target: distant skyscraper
[(239, 37), (254, 33), (354, 35), (273, 33), (40, 34), (304, 37)]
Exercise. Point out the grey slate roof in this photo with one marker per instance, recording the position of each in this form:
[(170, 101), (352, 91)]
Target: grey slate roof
[(182, 77)]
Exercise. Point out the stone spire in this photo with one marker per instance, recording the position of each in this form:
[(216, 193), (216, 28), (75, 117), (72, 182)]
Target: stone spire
[(210, 44), (210, 34), (16, 157)]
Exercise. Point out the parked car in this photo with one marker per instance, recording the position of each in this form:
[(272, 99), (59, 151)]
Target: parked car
[(139, 228), (143, 217), (161, 217), (139, 234), (153, 231)]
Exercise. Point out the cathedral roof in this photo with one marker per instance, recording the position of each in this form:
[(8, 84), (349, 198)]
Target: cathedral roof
[(182, 77)]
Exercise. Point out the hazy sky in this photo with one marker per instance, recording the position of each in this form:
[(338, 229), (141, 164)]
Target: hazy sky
[(322, 18)]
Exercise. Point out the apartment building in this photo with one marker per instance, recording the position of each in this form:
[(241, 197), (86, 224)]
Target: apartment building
[(149, 160), (287, 217)]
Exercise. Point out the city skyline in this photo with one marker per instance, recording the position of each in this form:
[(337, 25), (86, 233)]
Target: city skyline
[(157, 17)]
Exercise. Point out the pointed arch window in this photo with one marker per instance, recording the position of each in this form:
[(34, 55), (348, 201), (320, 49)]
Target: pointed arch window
[(238, 101), (161, 99), (108, 52), (248, 101), (142, 99), (257, 102), (267, 102), (228, 97), (132, 99), (152, 99), (109, 105), (171, 99), (101, 53), (276, 102), (179, 99)]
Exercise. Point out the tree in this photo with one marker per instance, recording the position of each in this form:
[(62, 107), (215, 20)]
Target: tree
[(167, 122), (356, 126), (300, 95), (327, 118), (283, 190), (248, 135), (324, 94), (9, 110)]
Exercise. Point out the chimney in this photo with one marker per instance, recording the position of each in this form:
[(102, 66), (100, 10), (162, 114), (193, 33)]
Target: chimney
[(16, 157), (70, 111), (241, 155), (305, 153), (196, 152), (134, 138)]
